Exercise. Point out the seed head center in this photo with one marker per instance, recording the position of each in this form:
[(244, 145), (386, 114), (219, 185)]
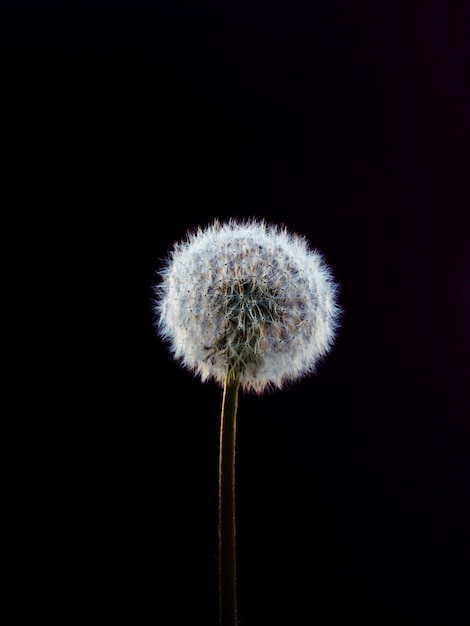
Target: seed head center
[(244, 309)]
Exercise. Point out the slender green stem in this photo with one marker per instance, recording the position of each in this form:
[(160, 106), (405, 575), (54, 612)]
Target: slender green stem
[(227, 545)]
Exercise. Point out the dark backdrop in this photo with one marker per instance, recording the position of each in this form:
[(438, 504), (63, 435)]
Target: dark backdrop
[(126, 123)]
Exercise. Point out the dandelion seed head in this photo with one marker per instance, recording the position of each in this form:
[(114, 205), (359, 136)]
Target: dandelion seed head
[(249, 298)]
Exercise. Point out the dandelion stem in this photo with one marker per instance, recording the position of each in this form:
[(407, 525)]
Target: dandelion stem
[(227, 545)]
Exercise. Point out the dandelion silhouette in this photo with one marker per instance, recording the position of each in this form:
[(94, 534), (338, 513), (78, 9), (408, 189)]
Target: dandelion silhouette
[(251, 306)]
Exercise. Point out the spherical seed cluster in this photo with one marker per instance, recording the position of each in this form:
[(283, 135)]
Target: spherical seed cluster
[(247, 298)]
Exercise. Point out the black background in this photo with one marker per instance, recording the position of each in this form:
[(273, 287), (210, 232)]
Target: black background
[(126, 123)]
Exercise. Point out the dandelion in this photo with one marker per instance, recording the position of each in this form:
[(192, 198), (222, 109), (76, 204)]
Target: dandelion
[(249, 297), (251, 306)]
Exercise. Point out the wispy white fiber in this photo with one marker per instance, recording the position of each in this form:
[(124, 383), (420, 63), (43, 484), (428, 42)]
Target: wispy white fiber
[(247, 297)]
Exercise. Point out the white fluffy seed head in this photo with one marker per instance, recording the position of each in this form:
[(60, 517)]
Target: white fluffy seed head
[(247, 298)]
